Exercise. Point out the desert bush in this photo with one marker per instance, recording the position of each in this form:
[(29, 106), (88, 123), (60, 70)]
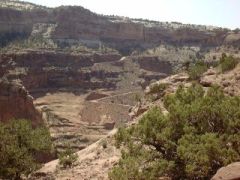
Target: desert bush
[(33, 43), (199, 135), (228, 63), (104, 144), (157, 88), (196, 70), (67, 158), (19, 143), (137, 97)]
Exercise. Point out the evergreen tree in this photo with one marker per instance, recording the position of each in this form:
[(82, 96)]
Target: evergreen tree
[(19, 143), (200, 134)]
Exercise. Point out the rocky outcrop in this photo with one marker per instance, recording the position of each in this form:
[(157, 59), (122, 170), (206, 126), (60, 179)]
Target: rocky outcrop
[(230, 172), (229, 81), (16, 103), (54, 70), (137, 110), (94, 162)]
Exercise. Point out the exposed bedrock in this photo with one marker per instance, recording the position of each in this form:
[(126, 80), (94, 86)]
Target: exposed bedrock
[(16, 103), (54, 70), (67, 25)]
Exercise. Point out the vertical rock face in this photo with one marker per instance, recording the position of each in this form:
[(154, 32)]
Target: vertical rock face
[(88, 25), (16, 24), (71, 24), (16, 103), (54, 70)]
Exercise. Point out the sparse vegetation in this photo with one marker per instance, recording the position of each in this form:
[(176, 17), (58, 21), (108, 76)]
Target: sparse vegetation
[(137, 97), (104, 144), (19, 143), (196, 70), (67, 158), (31, 43), (199, 135), (158, 88), (9, 42), (156, 91), (227, 62)]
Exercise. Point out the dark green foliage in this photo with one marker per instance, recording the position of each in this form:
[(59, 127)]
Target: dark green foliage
[(19, 143), (196, 70), (67, 158), (156, 91), (104, 144), (227, 62), (200, 134)]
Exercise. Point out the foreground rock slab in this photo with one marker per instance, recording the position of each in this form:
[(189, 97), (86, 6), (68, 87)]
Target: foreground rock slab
[(94, 162), (230, 172)]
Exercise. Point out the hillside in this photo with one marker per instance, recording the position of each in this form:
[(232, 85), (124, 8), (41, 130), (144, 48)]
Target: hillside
[(96, 161)]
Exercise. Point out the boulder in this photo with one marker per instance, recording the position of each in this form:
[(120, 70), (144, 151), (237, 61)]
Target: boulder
[(230, 172)]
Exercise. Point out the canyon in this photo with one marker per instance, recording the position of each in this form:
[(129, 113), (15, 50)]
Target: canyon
[(81, 74), (68, 25)]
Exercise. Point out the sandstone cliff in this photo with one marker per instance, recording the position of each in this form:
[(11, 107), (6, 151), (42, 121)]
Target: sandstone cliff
[(16, 103), (76, 24)]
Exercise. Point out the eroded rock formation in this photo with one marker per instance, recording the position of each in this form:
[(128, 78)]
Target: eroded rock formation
[(16, 103), (67, 25)]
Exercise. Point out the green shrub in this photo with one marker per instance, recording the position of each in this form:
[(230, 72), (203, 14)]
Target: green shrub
[(196, 70), (19, 143), (67, 158), (104, 144), (158, 88), (228, 63), (199, 135), (137, 97)]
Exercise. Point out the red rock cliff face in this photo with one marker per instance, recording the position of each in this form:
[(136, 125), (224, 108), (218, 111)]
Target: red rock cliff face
[(19, 23), (55, 70), (16, 103), (78, 24)]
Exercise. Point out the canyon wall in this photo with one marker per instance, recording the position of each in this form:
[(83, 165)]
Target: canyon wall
[(76, 24), (55, 70), (15, 102)]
